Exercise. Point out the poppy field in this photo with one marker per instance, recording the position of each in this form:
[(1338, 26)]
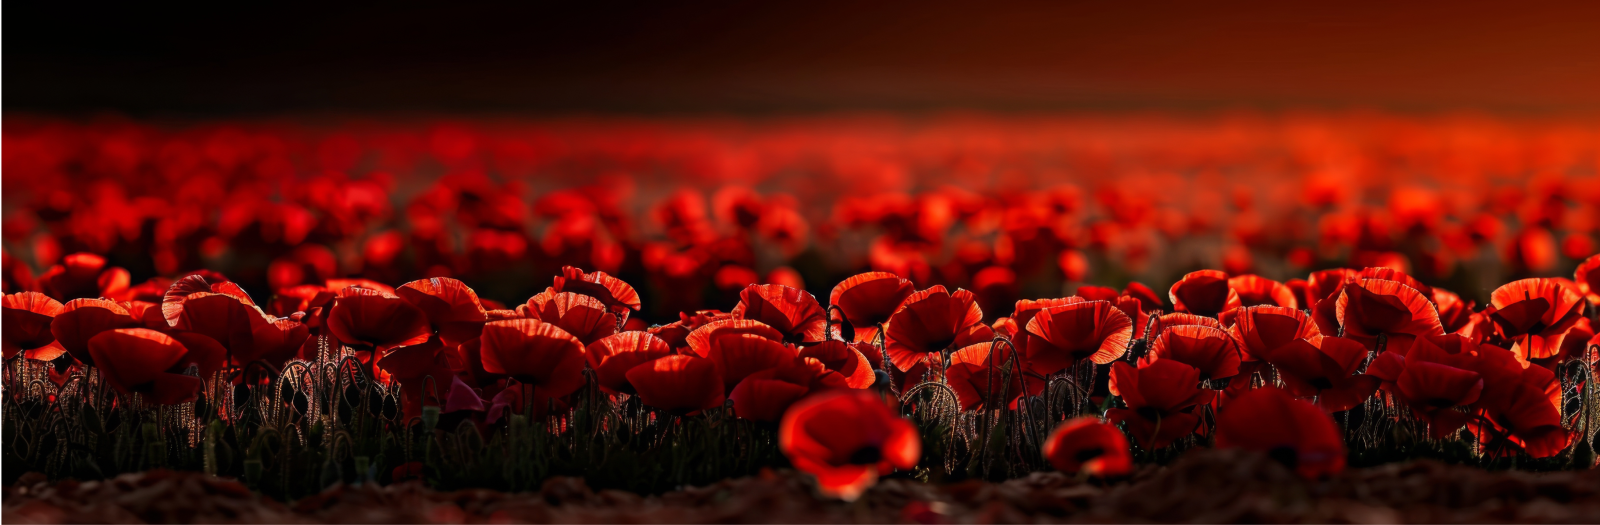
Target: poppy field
[(842, 302)]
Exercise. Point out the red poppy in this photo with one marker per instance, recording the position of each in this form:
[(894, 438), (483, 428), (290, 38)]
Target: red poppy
[(1588, 279), (792, 312), (1325, 368), (1205, 293), (1454, 314), (844, 358), (1374, 307), (1182, 319), (1535, 315), (680, 384), (83, 275), (1298, 286), (765, 397), (81, 319), (613, 356), (1210, 350), (1061, 336), (618, 296), (1256, 290), (1027, 308), (1289, 430), (933, 320), (27, 326), (1086, 445), (580, 315), (1439, 375), (978, 370), (846, 439), (739, 355), (1262, 329), (1132, 308), (699, 340), (310, 299), (1520, 407), (535, 353), (1573, 346), (1149, 300), (373, 320), (1097, 293), (452, 308), (1160, 399), (147, 362), (1328, 283), (172, 301)]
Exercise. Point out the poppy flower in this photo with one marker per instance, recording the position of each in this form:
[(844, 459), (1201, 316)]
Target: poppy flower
[(1027, 308), (845, 359), (1132, 308), (616, 295), (1521, 410), (310, 299), (1160, 398), (243, 329), (452, 308), (1182, 319), (147, 362), (931, 321), (1454, 314), (765, 397), (846, 439), (80, 320), (738, 355), (535, 353), (1535, 315), (1391, 274), (1328, 283), (699, 340), (1294, 432), (1325, 368), (1212, 351), (792, 312), (1373, 307), (1097, 293), (27, 326), (1061, 336), (979, 370), (1433, 381), (1255, 290), (613, 356), (1086, 445), (1588, 279), (1262, 329), (580, 315), (83, 275), (372, 319), (680, 384), (1149, 300), (1204, 293)]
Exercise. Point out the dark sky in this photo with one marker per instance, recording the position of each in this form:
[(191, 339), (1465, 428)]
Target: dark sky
[(571, 56)]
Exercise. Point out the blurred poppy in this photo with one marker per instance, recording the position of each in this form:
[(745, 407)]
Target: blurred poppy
[(1086, 445), (1204, 293), (1588, 278), (1212, 351), (680, 384), (846, 440), (613, 356), (1535, 315), (83, 275), (1061, 336), (931, 321), (1294, 432), (1160, 398), (792, 312), (27, 326)]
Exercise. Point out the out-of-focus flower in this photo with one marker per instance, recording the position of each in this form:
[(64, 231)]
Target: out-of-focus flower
[(846, 440), (1086, 445), (1294, 432)]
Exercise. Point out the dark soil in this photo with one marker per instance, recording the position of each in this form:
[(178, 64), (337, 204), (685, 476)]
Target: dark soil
[(1207, 486)]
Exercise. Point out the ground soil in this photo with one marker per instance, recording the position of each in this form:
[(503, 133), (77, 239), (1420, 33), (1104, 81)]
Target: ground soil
[(1207, 486)]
